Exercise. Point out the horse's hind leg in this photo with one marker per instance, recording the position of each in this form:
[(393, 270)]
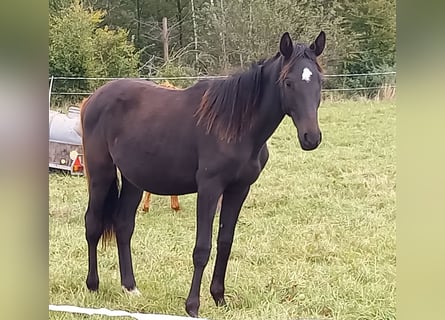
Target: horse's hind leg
[(174, 203), (146, 205), (103, 196), (123, 223), (232, 202)]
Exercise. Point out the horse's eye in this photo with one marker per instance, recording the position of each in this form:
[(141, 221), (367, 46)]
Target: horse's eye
[(287, 83)]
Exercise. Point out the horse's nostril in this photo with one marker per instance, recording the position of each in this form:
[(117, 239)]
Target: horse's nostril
[(311, 138)]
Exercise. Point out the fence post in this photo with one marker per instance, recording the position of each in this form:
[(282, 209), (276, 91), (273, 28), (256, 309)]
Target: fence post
[(50, 91)]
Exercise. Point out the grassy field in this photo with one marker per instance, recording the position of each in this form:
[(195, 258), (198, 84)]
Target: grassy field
[(315, 239)]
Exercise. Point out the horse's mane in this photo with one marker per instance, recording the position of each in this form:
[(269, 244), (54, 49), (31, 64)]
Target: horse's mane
[(228, 105)]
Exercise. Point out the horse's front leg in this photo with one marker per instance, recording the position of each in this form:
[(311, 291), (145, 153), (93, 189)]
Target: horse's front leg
[(232, 202), (206, 208)]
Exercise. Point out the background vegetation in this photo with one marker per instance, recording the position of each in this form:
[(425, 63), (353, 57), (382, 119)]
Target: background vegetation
[(103, 38)]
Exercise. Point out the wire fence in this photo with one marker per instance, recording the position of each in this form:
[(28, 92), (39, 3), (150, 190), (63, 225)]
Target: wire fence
[(364, 84)]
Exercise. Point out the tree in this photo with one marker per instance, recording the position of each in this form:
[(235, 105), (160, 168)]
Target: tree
[(79, 47), (218, 36), (372, 23)]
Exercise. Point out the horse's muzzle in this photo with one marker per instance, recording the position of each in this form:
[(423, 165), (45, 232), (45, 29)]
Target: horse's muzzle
[(310, 140)]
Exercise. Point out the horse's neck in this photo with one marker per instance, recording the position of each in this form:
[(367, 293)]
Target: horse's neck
[(269, 115), (265, 126)]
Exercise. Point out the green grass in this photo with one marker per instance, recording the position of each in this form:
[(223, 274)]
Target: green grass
[(315, 239)]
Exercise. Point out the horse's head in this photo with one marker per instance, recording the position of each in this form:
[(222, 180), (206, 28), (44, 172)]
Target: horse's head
[(300, 85)]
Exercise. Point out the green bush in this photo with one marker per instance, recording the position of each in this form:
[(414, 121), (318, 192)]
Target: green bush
[(172, 69), (80, 47)]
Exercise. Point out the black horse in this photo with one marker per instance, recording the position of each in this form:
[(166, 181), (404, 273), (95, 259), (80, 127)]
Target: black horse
[(209, 138)]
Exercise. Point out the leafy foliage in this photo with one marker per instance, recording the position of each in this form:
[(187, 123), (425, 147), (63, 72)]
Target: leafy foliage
[(79, 47), (217, 36), (172, 69)]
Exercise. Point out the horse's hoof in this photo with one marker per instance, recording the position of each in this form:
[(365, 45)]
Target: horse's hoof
[(145, 209), (221, 302), (217, 292), (92, 285), (93, 289), (133, 292), (192, 309), (192, 313)]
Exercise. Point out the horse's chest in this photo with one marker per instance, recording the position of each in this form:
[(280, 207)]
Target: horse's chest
[(249, 172)]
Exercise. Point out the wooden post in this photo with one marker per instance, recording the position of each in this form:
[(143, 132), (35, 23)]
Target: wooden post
[(165, 38), (50, 91)]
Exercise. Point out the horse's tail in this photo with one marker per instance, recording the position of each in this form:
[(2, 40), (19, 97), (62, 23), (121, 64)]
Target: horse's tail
[(112, 197), (110, 205), (79, 126), (83, 105)]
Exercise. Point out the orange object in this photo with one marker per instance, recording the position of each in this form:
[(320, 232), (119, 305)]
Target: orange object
[(77, 165), (174, 202)]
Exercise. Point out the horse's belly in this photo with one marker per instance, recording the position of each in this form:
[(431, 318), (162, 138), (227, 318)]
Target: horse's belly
[(162, 180), (159, 172), (168, 186)]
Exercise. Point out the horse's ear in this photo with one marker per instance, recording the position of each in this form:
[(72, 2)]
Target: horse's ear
[(318, 45), (286, 45)]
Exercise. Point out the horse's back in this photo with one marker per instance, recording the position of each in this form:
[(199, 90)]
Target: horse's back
[(126, 103), (150, 133)]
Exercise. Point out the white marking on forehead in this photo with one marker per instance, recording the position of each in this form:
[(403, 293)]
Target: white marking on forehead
[(306, 75)]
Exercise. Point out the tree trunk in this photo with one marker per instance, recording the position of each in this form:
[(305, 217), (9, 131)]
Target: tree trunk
[(223, 37), (222, 29), (179, 15), (195, 31), (165, 38), (138, 23), (251, 48)]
